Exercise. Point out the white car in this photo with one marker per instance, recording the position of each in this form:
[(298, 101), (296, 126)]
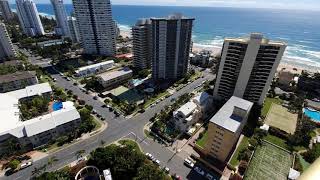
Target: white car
[(167, 170), (149, 156), (199, 171), (25, 165), (157, 162), (189, 163)]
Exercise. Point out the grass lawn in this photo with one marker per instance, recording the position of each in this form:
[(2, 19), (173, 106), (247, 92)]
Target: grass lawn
[(303, 162), (277, 141), (147, 133), (243, 145), (267, 105), (98, 124), (269, 162), (201, 142), (131, 143)]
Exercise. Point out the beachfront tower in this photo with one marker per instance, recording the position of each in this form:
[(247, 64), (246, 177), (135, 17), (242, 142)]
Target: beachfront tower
[(62, 28), (142, 44), (74, 31), (247, 67), (96, 26), (6, 47), (5, 10), (29, 18), (171, 38)]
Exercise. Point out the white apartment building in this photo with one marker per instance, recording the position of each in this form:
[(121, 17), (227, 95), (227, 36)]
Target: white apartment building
[(112, 79), (247, 67), (74, 31), (94, 69), (96, 26), (17, 80), (142, 44), (5, 10), (62, 27), (171, 39), (37, 131), (29, 18), (6, 47)]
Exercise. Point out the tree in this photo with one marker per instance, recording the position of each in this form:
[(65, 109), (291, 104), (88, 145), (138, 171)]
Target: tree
[(14, 164), (60, 174), (242, 167), (312, 154), (149, 172), (52, 160)]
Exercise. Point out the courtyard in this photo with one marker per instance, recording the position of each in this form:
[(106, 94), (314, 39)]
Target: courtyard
[(269, 162), (279, 117)]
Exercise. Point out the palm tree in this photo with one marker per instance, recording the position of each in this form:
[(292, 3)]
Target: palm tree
[(52, 160)]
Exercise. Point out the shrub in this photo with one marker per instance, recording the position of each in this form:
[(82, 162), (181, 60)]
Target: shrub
[(81, 102), (242, 167), (278, 132), (14, 164)]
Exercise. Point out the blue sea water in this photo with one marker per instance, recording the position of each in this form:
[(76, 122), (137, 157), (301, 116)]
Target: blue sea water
[(300, 29)]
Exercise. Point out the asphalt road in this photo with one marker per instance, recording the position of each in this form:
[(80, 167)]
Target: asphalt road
[(118, 127)]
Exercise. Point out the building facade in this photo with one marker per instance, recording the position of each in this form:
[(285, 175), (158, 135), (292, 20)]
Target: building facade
[(29, 18), (225, 128), (5, 10), (74, 31), (96, 26), (171, 39), (142, 44), (62, 28), (247, 67), (112, 79), (17, 80), (94, 69), (6, 47)]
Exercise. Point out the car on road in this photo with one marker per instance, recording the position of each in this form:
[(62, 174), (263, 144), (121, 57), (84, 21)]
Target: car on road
[(157, 162), (209, 176), (110, 109), (25, 165), (68, 79), (104, 106), (188, 162), (166, 169), (149, 156), (117, 113), (177, 177), (95, 97), (54, 79), (199, 171)]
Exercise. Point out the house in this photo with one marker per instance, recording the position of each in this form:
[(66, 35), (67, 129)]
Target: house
[(113, 79), (205, 103), (186, 116), (17, 80)]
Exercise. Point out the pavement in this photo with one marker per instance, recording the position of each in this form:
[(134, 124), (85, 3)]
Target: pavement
[(118, 127)]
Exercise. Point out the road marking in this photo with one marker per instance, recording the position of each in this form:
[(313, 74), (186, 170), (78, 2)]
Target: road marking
[(137, 137)]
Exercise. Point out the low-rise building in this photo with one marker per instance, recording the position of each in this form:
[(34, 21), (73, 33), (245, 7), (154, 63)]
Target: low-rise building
[(49, 43), (225, 128), (37, 131), (94, 69), (186, 116), (205, 103), (201, 59), (285, 78), (17, 80), (112, 79)]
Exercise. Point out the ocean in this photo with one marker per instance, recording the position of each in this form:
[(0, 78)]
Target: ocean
[(300, 29)]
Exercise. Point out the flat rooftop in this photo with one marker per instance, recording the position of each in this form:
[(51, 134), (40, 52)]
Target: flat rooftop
[(225, 117), (95, 65), (114, 74), (254, 36), (186, 109), (17, 76)]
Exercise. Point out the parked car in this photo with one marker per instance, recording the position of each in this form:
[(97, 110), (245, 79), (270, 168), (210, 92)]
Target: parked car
[(9, 172), (199, 171), (149, 156), (167, 170), (117, 113), (95, 97), (188, 162), (25, 165), (157, 162)]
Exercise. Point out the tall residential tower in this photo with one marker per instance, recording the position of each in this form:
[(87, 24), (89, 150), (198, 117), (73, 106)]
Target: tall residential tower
[(74, 31), (6, 47), (96, 26), (29, 18), (247, 67), (142, 44), (5, 10), (62, 27), (171, 39)]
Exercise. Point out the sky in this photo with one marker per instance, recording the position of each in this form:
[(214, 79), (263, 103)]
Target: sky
[(278, 4)]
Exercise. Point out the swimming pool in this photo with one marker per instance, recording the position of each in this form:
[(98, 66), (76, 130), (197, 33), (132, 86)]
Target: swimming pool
[(57, 106), (313, 114)]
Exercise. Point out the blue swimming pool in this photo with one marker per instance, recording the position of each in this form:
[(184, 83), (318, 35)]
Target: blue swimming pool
[(313, 114), (57, 106)]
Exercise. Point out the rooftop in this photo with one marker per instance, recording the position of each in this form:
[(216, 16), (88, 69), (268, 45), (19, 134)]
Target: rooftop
[(114, 74), (20, 75), (201, 98), (256, 36), (225, 116), (176, 16), (29, 91), (186, 109), (95, 65)]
